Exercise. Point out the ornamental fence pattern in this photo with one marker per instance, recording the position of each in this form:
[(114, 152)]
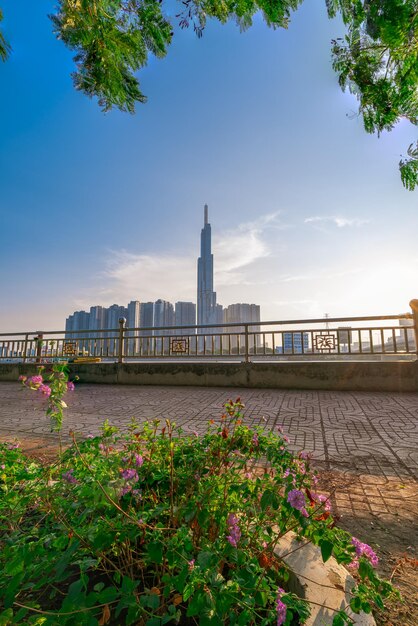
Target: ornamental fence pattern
[(344, 337)]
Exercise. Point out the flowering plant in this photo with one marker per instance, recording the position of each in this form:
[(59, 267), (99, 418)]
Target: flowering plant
[(157, 526), (52, 386)]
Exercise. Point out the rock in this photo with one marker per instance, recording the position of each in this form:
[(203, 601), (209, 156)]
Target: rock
[(325, 584)]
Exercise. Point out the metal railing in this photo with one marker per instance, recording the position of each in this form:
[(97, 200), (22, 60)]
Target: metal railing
[(315, 339)]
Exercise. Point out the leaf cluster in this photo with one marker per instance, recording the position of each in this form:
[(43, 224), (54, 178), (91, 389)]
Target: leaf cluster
[(4, 45), (378, 62)]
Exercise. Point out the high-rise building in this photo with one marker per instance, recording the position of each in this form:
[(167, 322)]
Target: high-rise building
[(163, 316), (246, 314), (133, 321), (206, 296), (97, 321), (78, 321), (185, 315), (146, 317)]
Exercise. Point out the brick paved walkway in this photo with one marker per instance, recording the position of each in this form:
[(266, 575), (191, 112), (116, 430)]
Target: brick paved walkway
[(368, 440)]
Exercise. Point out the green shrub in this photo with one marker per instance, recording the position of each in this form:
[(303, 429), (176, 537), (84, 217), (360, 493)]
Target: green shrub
[(158, 526)]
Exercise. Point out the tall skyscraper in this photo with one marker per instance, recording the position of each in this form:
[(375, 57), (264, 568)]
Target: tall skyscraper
[(206, 297)]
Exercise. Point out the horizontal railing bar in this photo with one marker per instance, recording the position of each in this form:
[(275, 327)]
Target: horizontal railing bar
[(320, 320)]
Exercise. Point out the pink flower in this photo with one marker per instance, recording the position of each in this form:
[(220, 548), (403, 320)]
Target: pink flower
[(14, 446), (139, 460), (45, 390), (36, 380), (23, 378), (191, 564), (306, 456), (70, 386), (234, 530)]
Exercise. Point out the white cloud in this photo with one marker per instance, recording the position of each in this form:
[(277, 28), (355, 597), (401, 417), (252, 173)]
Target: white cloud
[(128, 275), (320, 275), (339, 221)]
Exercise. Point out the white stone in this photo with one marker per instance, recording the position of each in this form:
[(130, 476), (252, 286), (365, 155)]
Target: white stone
[(327, 584)]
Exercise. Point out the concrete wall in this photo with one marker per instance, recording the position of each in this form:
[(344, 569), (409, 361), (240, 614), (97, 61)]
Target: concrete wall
[(343, 375)]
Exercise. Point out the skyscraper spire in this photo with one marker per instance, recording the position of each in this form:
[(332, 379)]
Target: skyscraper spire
[(206, 215)]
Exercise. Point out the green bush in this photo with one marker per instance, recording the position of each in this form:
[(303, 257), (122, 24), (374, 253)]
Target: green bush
[(158, 526)]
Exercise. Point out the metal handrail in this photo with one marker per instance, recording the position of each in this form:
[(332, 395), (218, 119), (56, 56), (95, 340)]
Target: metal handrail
[(245, 340), (319, 320)]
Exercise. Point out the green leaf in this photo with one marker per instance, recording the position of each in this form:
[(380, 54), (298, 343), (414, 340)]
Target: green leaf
[(155, 552), (6, 617), (326, 549)]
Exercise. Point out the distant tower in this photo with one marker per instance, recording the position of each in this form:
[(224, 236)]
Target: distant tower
[(206, 297)]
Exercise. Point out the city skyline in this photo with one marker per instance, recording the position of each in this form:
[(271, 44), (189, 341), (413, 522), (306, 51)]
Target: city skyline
[(162, 313), (310, 214)]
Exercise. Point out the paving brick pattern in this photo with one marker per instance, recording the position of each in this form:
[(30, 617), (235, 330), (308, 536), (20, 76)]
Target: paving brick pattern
[(369, 440)]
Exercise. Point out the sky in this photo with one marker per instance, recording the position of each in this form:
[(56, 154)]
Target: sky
[(308, 212)]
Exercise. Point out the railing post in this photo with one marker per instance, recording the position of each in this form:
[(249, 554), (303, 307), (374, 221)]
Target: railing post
[(414, 306), (247, 355), (122, 322), (39, 342), (25, 348)]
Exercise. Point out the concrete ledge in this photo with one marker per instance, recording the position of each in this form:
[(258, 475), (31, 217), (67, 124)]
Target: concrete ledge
[(335, 375), (326, 585)]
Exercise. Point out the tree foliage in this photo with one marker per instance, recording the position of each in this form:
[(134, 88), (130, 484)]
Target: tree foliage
[(4, 46), (377, 60)]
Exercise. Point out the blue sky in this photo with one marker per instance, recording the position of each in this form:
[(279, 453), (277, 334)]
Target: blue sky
[(308, 212)]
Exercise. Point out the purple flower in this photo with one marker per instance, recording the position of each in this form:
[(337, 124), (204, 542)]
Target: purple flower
[(234, 531), (139, 460), (125, 490), (280, 607), (69, 477), (296, 499), (255, 439), (129, 474), (70, 386), (45, 390), (363, 549)]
